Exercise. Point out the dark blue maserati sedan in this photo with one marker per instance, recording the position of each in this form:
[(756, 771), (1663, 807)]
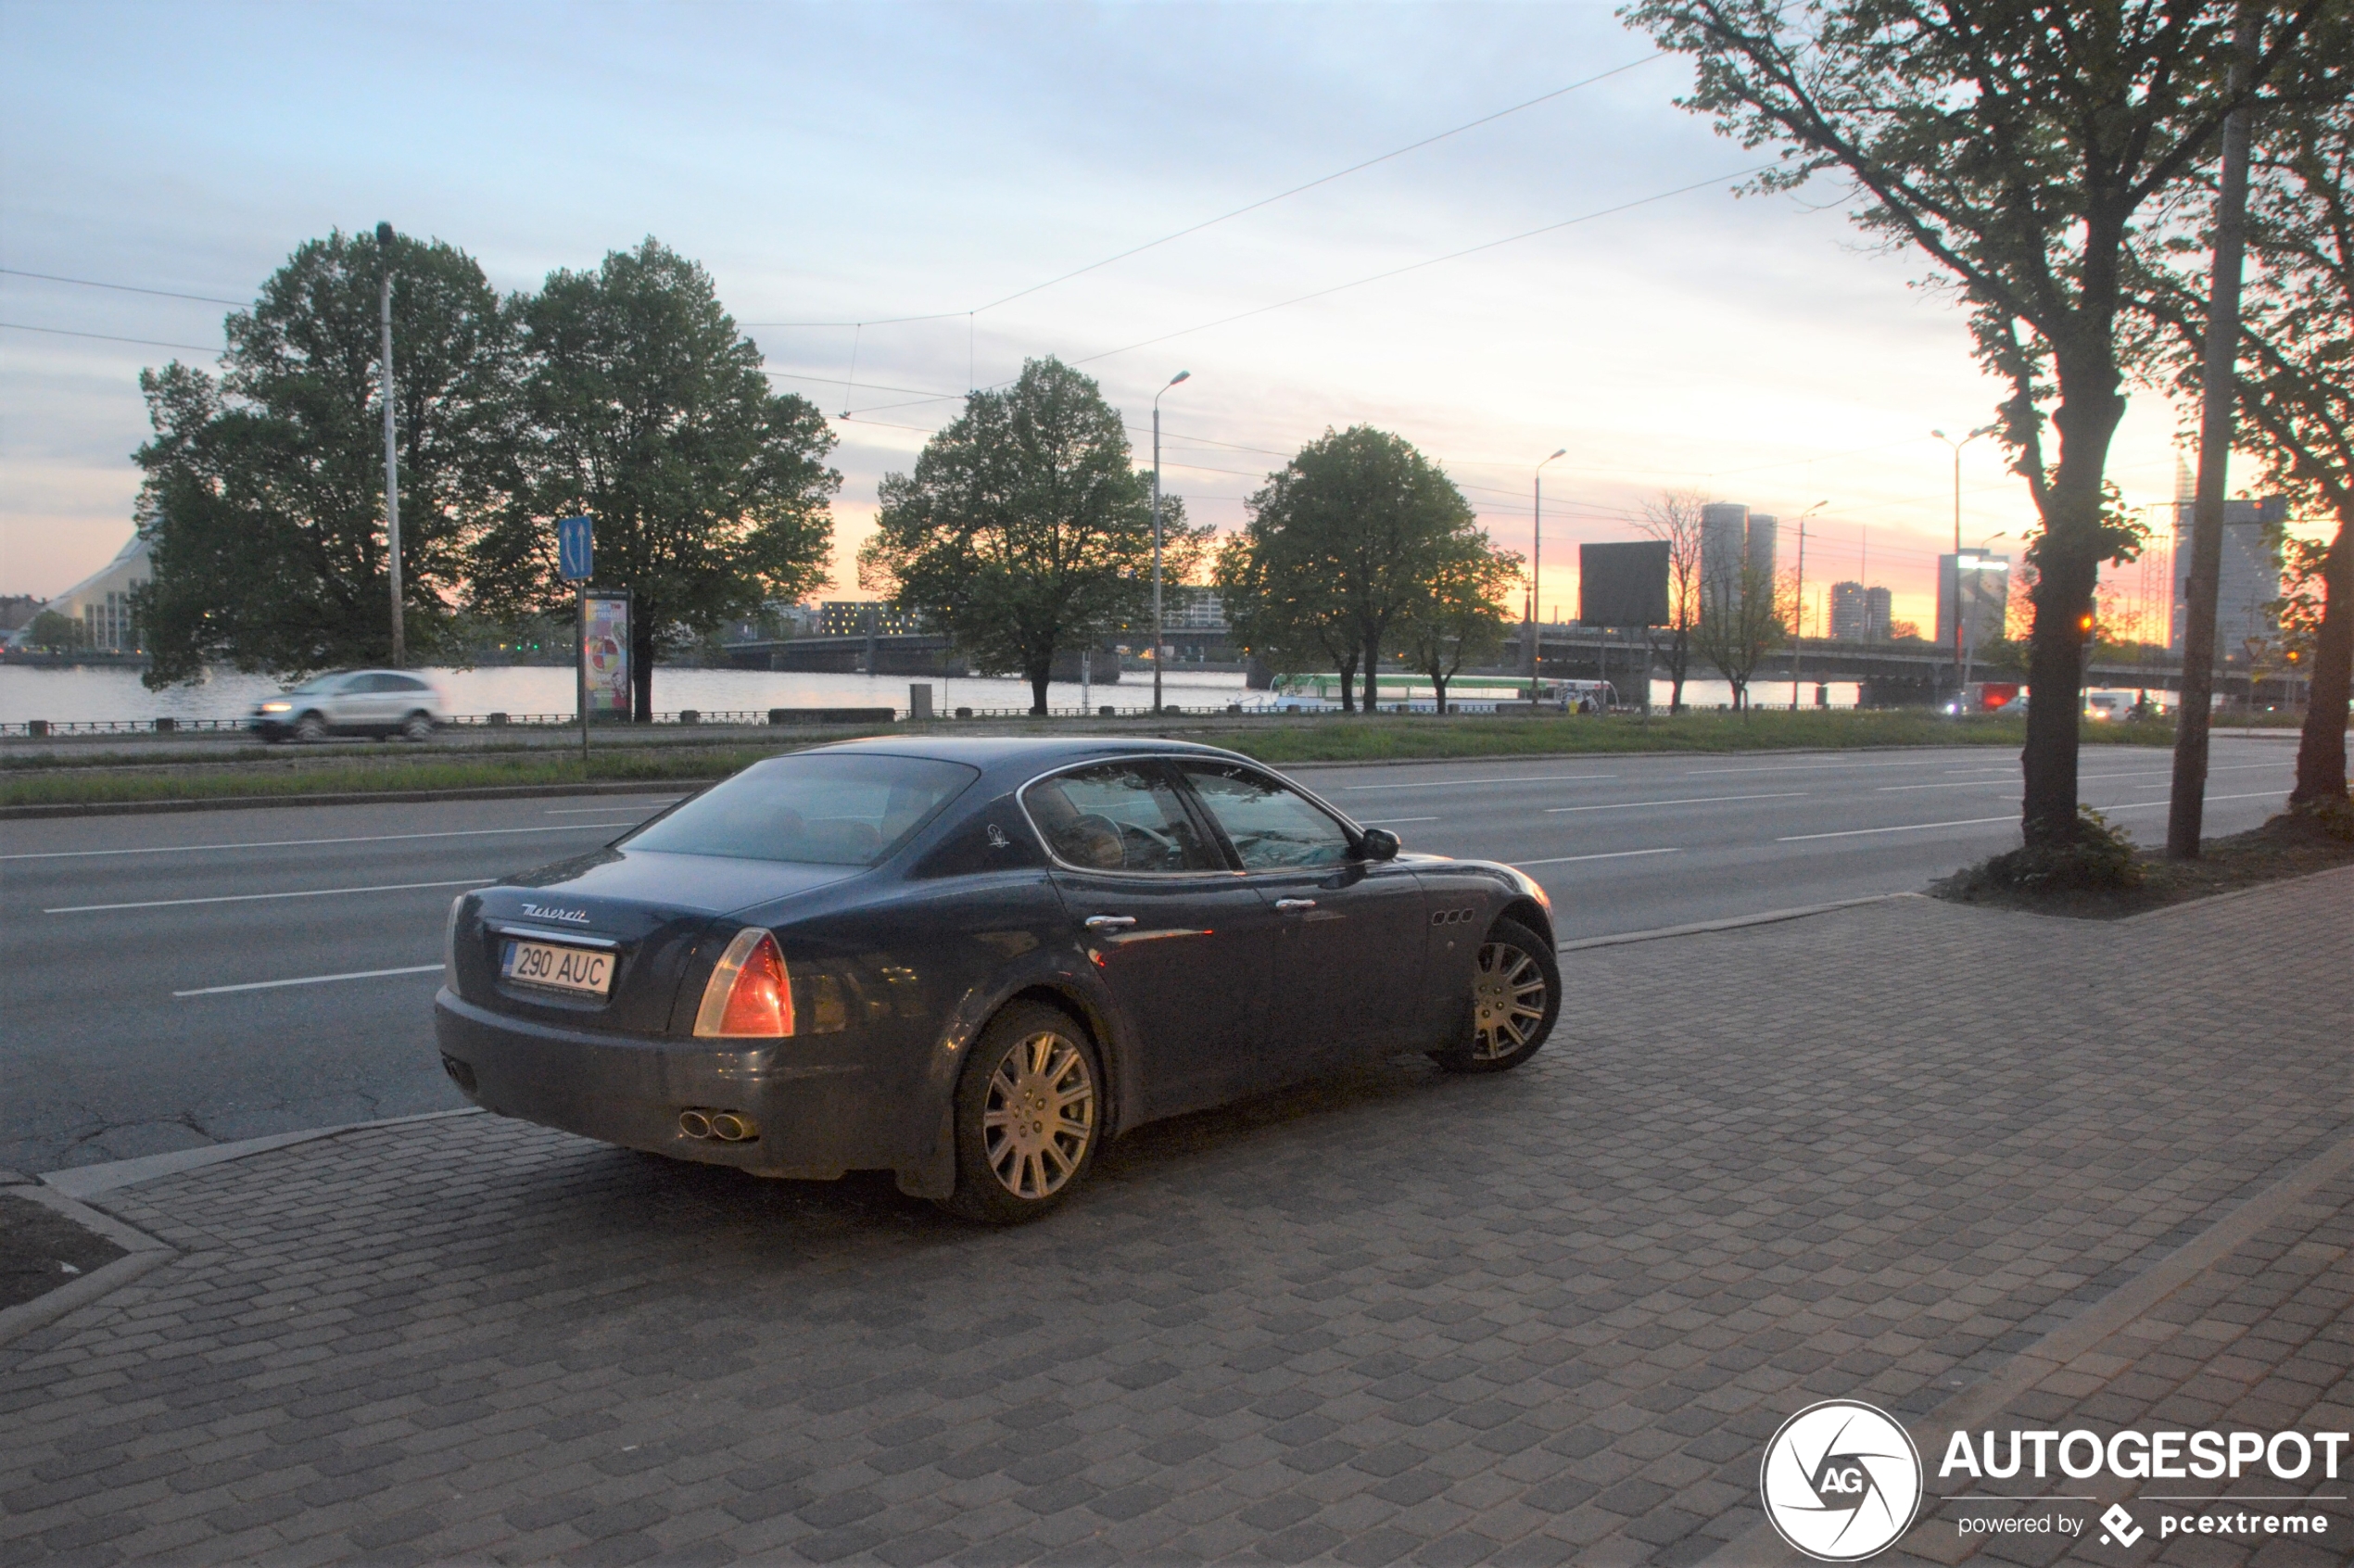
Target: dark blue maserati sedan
[(969, 961)]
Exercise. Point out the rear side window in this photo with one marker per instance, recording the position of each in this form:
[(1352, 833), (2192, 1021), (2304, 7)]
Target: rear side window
[(824, 810), (1117, 816), (1272, 827)]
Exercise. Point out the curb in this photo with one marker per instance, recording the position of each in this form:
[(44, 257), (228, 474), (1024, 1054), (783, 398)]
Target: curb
[(1770, 917), (141, 1252), (1761, 1545), (89, 1180), (350, 797)]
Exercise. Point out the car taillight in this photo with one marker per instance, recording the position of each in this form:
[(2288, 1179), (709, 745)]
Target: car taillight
[(750, 995)]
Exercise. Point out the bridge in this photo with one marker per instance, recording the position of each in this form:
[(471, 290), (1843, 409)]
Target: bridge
[(1892, 675)]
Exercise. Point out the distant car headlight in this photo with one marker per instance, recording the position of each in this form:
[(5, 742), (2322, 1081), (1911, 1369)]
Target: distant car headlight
[(276, 707)]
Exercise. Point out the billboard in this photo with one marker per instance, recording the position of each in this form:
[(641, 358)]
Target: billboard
[(1623, 584), (605, 634)]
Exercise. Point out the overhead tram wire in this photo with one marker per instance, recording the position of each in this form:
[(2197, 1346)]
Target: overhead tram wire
[(1382, 276), (1225, 217), (109, 337), (123, 288)]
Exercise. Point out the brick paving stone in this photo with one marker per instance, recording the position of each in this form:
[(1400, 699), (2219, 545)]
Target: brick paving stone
[(1397, 1317)]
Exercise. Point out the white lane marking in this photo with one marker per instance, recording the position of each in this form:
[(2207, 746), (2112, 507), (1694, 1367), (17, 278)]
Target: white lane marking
[(618, 805), (2087, 777), (297, 843), (1689, 799), (310, 979), (1980, 821), (1392, 821), (1954, 784), (1457, 783), (247, 898), (1811, 767), (1907, 827), (1572, 859)]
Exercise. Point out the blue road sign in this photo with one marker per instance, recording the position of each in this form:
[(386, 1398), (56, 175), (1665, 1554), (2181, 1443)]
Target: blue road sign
[(576, 552)]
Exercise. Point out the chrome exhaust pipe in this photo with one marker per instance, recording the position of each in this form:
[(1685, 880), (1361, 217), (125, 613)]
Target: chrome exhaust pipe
[(727, 1127), (694, 1124)]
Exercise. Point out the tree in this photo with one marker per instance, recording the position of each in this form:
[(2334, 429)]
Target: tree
[(1025, 530), (1348, 537), (53, 633), (650, 414), (2295, 373), (1739, 622), (1460, 617), (1674, 519), (1280, 613), (263, 501), (2016, 143)]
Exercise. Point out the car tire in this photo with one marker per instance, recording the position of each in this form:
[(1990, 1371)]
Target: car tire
[(1508, 1017), (311, 727), (417, 726), (1032, 1059)]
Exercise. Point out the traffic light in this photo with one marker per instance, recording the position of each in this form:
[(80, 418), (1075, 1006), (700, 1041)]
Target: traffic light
[(2084, 625)]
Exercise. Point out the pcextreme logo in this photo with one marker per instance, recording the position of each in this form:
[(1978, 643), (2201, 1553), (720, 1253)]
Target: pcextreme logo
[(1841, 1481)]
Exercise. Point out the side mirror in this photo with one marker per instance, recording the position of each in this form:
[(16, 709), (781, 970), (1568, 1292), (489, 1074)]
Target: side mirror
[(1379, 843)]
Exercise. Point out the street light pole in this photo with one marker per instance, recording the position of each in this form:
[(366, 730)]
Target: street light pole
[(1173, 380), (392, 449), (1958, 447), (1798, 616), (1536, 574)]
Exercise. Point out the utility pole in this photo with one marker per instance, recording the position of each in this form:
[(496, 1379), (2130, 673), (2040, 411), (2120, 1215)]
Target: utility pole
[(1798, 612), (392, 449), (1536, 574), (1173, 380), (1958, 447), (2186, 808)]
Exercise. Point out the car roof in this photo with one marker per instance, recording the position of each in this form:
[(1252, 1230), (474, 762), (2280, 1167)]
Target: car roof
[(990, 753)]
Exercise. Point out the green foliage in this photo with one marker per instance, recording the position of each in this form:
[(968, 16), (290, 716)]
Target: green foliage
[(1344, 545), (2097, 858), (1740, 622), (1025, 530), (264, 500), (52, 632), (647, 411), (1460, 617)]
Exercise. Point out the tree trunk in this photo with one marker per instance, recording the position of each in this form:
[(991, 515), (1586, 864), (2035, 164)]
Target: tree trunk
[(1348, 686), (641, 665), (2321, 750), (1680, 660), (1038, 675), (2067, 565), (1439, 689), (1372, 669)]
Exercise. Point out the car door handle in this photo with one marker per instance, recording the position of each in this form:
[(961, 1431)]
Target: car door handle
[(1109, 922), (1294, 906)]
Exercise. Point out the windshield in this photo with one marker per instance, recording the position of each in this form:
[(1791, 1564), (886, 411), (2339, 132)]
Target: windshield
[(823, 809), (316, 685)]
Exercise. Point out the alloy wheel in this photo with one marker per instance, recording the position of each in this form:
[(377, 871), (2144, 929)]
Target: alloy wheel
[(1039, 1116), (1508, 1002)]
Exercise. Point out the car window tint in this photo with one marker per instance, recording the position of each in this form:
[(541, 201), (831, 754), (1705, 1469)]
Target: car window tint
[(1271, 827), (377, 683), (1117, 816), (827, 810)]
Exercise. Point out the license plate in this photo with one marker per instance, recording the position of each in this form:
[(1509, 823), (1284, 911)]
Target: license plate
[(558, 968)]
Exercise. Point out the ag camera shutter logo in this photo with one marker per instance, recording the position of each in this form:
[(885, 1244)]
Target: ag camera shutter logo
[(1841, 1481)]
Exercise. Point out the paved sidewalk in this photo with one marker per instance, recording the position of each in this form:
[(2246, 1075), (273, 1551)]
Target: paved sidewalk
[(1548, 1316)]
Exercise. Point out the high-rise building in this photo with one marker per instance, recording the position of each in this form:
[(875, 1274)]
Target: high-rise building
[(1762, 528), (1859, 614), (1986, 596), (1724, 535), (2250, 578)]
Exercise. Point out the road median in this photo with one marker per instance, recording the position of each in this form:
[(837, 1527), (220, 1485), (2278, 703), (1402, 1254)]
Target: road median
[(108, 783)]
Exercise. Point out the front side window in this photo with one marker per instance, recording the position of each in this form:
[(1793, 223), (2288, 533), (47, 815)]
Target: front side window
[(1272, 827), (824, 810), (1117, 816)]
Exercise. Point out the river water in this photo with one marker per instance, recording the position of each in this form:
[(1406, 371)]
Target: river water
[(90, 694)]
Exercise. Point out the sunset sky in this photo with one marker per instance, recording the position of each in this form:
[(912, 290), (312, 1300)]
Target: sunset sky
[(854, 163)]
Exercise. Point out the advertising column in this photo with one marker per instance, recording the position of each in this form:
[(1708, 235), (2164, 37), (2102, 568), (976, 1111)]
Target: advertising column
[(605, 645)]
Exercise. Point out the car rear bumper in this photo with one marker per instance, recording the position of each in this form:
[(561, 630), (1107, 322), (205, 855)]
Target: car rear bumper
[(817, 1108)]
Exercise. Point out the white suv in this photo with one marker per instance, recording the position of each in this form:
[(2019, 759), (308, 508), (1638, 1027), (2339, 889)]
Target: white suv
[(385, 703)]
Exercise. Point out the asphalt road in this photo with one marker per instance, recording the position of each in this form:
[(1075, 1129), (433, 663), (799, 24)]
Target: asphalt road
[(172, 981)]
